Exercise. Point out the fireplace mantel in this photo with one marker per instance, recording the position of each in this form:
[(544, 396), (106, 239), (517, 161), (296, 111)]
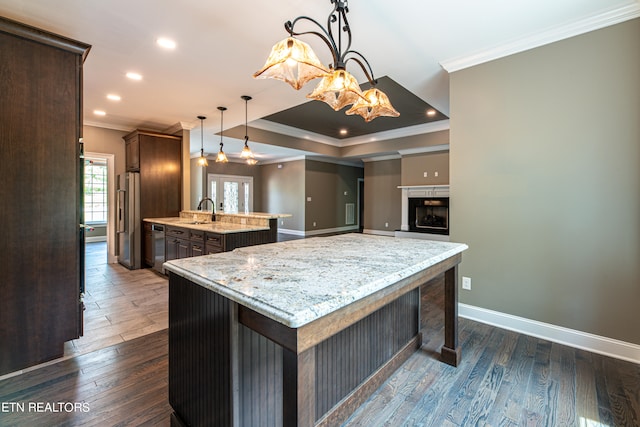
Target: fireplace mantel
[(419, 191)]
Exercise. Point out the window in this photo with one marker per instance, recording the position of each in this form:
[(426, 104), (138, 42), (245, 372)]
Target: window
[(95, 191)]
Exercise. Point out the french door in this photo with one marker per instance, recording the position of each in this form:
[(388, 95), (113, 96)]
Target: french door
[(231, 193)]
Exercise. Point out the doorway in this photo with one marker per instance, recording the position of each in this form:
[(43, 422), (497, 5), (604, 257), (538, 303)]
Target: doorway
[(231, 193), (104, 203)]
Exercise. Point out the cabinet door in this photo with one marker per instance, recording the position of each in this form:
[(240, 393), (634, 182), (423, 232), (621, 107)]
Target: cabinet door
[(183, 248), (171, 248), (132, 154)]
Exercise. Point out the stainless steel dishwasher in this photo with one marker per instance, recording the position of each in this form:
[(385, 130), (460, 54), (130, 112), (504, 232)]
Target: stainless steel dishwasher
[(158, 247)]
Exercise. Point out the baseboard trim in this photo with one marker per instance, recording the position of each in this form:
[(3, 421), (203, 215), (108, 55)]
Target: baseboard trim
[(571, 337), (332, 230), (95, 239), (379, 232), (345, 229), (289, 231)]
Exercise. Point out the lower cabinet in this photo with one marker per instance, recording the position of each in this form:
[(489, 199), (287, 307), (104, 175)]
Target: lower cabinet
[(184, 242)]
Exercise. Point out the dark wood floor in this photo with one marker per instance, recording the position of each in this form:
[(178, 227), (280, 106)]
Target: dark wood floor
[(505, 379)]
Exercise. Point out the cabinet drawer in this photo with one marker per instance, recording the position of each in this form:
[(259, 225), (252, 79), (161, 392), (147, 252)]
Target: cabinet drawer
[(181, 233), (213, 249), (215, 240), (196, 235)]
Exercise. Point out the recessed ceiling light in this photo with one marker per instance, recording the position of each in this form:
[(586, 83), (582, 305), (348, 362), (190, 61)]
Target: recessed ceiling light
[(343, 132), (99, 113), (431, 112), (113, 97), (166, 43), (134, 76)]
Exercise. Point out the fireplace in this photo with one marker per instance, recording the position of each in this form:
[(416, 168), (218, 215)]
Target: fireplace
[(429, 215)]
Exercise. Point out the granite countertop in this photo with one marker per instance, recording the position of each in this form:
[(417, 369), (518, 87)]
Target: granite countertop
[(260, 215), (215, 227), (298, 281)]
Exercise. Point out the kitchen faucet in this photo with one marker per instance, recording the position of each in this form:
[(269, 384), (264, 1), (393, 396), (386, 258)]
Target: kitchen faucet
[(213, 207)]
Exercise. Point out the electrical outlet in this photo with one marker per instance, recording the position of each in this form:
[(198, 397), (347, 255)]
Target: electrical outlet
[(346, 193), (308, 199), (386, 224), (425, 174), (282, 222), (466, 283), (435, 174), (314, 223)]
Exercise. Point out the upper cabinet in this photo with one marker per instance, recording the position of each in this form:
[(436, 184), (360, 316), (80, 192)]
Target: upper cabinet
[(158, 159), (132, 152)]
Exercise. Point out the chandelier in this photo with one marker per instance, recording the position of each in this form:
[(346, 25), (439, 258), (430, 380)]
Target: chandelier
[(294, 62)]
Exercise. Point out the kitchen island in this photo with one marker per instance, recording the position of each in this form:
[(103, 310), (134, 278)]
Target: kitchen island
[(299, 333)]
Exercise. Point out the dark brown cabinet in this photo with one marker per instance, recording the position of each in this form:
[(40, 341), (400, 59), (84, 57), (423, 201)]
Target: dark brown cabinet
[(177, 243), (214, 243), (148, 244), (42, 246), (157, 157)]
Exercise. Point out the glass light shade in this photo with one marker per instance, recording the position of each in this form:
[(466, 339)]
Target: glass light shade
[(337, 89), (374, 103), (246, 152), (292, 61), (221, 158), (202, 160)]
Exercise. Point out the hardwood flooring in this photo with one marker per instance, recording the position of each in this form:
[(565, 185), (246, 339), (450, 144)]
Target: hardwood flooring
[(121, 304), (504, 379)]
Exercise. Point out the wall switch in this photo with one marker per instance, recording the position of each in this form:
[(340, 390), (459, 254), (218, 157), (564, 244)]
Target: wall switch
[(282, 222), (386, 224), (466, 283), (425, 174), (314, 223), (346, 192), (308, 199), (435, 174)]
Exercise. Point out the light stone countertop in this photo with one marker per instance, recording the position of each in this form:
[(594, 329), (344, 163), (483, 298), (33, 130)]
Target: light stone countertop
[(258, 215), (298, 281), (220, 227)]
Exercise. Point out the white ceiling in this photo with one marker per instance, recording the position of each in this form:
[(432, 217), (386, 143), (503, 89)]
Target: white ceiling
[(221, 43)]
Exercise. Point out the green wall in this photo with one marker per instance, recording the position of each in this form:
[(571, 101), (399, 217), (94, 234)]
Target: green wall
[(545, 182)]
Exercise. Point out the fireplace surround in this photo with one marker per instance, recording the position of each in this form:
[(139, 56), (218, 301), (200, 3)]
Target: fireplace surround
[(425, 212)]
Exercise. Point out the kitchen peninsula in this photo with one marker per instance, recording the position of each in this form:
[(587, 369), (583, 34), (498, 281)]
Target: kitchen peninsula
[(299, 333), (194, 233)]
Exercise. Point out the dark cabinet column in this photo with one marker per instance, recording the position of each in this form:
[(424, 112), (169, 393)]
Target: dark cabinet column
[(41, 193)]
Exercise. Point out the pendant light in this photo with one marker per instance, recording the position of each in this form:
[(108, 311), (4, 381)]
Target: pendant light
[(202, 161), (246, 151), (294, 62), (222, 158)]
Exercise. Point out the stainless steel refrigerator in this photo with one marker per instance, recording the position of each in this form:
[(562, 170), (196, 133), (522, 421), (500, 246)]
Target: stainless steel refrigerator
[(129, 225)]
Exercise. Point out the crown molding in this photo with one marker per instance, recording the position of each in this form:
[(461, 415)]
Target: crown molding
[(356, 140), (421, 150), (270, 126), (107, 126), (438, 126), (381, 158), (592, 23)]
